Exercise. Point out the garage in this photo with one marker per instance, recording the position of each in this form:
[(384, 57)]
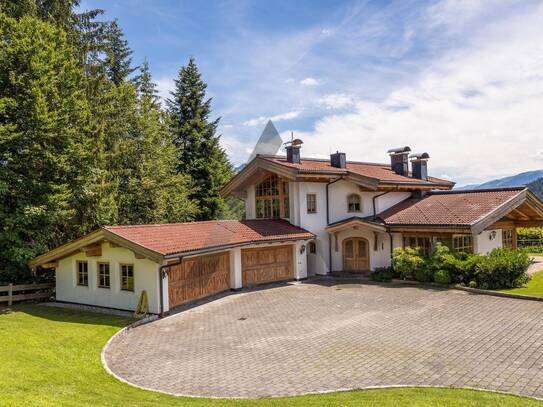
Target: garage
[(264, 265), (198, 277)]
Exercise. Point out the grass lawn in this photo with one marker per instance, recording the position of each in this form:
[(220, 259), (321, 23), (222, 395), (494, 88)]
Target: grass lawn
[(533, 287), (51, 357)]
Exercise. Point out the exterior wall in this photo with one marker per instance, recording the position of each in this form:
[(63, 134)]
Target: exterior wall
[(250, 209), (315, 222), (378, 258), (145, 278), (300, 260), (484, 245), (339, 192)]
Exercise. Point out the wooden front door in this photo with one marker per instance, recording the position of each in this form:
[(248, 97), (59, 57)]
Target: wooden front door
[(356, 254), (263, 265), (198, 277)]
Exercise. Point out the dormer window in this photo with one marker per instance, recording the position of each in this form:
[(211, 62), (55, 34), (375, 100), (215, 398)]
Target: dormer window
[(272, 198), (354, 203)]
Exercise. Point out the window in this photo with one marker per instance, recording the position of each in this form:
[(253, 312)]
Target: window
[(103, 275), (272, 198), (82, 273), (462, 243), (127, 277), (311, 203), (312, 248), (507, 238), (353, 203), (423, 242)]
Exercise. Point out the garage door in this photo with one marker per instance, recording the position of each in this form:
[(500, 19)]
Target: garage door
[(263, 265), (198, 277)]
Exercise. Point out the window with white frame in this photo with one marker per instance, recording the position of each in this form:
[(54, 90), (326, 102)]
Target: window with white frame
[(354, 203), (82, 273), (311, 203), (104, 279)]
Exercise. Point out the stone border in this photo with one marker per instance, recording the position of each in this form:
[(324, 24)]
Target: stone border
[(498, 293)]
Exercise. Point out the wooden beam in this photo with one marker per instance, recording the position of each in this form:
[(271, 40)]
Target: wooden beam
[(520, 214), (139, 256), (50, 265), (94, 250)]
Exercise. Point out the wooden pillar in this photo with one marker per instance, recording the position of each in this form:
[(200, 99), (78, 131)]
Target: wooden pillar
[(10, 294), (514, 243)]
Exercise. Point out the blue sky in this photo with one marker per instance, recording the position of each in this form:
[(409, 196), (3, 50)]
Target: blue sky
[(462, 80)]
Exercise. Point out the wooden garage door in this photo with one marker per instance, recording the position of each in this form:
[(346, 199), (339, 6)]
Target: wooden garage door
[(263, 265), (198, 277)]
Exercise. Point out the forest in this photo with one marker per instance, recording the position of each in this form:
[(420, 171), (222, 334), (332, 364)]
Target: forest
[(86, 141)]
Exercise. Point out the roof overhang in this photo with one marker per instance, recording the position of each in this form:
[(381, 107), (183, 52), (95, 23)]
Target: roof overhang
[(97, 236), (355, 222)]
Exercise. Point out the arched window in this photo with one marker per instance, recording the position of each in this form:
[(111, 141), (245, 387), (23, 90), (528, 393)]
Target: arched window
[(272, 198), (353, 203)]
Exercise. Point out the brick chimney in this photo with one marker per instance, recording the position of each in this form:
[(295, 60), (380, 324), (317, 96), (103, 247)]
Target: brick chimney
[(338, 160), (419, 165), (399, 160)]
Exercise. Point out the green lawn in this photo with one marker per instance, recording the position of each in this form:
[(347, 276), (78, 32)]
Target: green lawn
[(533, 287), (51, 357)]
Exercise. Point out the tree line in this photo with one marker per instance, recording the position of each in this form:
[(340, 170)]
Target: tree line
[(85, 140)]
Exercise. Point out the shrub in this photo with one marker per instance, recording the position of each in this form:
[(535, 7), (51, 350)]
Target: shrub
[(473, 284), (424, 275), (442, 277), (407, 261), (502, 268), (382, 274)]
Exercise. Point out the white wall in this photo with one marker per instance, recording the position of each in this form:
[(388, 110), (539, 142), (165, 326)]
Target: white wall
[(145, 278), (484, 245), (378, 258), (339, 192), (250, 209)]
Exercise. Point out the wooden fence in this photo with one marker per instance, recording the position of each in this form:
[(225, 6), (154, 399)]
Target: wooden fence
[(29, 292)]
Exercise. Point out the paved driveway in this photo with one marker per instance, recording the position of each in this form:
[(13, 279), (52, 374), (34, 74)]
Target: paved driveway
[(307, 338)]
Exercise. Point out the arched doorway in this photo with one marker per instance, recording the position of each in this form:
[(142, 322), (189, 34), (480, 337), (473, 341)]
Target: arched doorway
[(356, 254)]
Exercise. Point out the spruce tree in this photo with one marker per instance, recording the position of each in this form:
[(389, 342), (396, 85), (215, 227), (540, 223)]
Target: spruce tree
[(42, 112), (154, 192), (118, 54), (199, 152)]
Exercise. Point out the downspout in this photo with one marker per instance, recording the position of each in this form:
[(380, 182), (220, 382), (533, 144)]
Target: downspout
[(328, 218), (161, 274)]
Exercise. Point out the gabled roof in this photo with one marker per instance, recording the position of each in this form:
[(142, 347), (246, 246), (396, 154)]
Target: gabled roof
[(475, 209), (162, 241), (369, 175), (180, 238)]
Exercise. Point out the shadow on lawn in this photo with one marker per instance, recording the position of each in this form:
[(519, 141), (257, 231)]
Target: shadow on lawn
[(67, 315)]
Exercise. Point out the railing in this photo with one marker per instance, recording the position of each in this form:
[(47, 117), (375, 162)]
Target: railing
[(37, 291), (529, 242)]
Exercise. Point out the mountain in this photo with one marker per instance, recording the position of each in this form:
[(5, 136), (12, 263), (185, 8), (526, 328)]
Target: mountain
[(537, 187), (524, 178)]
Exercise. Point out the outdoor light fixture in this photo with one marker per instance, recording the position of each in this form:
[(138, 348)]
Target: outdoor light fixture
[(492, 235), (302, 249)]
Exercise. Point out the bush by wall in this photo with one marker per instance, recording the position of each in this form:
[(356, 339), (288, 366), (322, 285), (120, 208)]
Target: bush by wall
[(502, 268)]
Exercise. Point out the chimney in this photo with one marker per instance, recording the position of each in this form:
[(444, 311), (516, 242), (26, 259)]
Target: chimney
[(293, 150), (399, 160), (419, 165), (338, 160)]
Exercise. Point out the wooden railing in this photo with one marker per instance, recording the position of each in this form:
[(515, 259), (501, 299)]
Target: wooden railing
[(37, 291)]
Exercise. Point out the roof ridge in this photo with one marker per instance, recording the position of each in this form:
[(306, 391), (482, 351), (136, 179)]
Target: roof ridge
[(326, 160), (143, 225)]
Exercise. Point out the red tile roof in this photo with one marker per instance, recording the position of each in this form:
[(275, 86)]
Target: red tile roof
[(185, 237), (448, 208), (380, 172)]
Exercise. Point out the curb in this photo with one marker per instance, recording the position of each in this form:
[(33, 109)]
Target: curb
[(498, 293)]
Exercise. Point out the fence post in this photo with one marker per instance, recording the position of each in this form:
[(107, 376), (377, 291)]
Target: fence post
[(10, 294)]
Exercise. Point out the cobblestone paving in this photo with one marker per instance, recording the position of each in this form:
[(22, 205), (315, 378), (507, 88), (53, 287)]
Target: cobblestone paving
[(325, 336)]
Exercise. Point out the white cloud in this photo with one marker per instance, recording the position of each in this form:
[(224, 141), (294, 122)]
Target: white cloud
[(337, 101), (476, 109), (165, 85), (277, 118), (309, 82)]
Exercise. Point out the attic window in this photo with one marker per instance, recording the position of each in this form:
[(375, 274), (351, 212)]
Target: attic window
[(353, 203), (272, 198)]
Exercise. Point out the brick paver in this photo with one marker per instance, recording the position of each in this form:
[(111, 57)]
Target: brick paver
[(325, 336)]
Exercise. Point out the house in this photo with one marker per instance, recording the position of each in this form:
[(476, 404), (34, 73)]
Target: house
[(302, 217)]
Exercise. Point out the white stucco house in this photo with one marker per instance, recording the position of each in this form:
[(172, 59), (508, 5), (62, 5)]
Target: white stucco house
[(303, 217)]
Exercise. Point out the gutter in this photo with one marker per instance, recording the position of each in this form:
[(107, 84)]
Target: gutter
[(162, 273)]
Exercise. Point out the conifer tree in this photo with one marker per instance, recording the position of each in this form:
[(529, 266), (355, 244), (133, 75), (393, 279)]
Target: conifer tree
[(199, 152), (42, 112), (154, 192), (118, 54)]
